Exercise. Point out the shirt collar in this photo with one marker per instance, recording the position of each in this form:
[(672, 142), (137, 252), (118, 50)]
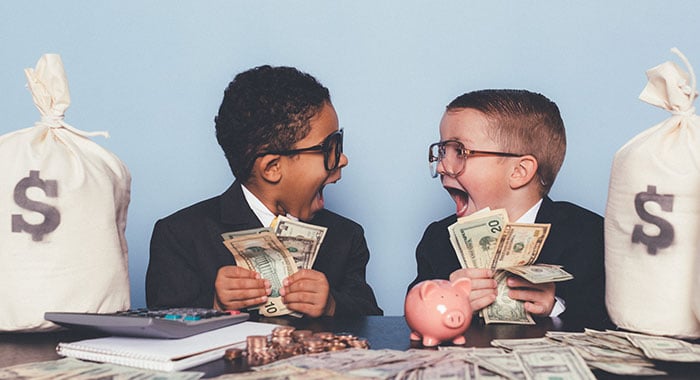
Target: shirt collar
[(265, 216), (531, 214)]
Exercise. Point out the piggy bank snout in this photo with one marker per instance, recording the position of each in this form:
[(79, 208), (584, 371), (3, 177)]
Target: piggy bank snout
[(454, 319)]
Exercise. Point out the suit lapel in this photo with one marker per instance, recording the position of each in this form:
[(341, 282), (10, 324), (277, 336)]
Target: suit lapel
[(551, 251), (235, 210)]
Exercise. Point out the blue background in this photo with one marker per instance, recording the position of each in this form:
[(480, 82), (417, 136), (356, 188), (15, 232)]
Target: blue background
[(153, 74)]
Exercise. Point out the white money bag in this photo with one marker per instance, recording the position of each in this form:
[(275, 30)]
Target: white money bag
[(62, 214), (652, 218)]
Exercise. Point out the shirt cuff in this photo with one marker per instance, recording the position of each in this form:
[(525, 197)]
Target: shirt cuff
[(559, 307)]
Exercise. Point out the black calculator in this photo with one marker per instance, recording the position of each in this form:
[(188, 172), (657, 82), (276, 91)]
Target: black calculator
[(171, 323)]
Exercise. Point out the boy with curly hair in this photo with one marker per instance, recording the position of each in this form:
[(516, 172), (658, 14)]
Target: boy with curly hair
[(279, 132)]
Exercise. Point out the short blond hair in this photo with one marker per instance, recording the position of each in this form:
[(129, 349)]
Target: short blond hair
[(522, 122)]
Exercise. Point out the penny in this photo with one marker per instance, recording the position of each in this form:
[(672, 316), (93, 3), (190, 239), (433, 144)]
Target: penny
[(233, 354)]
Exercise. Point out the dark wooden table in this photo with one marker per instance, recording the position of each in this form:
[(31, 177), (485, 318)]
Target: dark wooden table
[(382, 332)]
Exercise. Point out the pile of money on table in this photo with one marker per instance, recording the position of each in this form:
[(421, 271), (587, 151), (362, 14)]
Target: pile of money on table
[(561, 355), (565, 355), (75, 369), (486, 239)]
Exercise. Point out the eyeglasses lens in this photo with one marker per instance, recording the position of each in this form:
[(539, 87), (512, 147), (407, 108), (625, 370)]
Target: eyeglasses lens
[(332, 149), (450, 153)]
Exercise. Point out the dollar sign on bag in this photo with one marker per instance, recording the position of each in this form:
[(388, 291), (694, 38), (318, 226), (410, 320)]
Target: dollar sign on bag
[(52, 218), (666, 233)]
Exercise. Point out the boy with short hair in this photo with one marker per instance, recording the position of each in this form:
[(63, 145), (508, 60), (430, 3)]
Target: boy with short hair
[(503, 149), (279, 132)]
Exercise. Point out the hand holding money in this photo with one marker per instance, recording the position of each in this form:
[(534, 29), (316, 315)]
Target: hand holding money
[(263, 253), (308, 292), (239, 288), (483, 291), (277, 252), (538, 299), (486, 239)]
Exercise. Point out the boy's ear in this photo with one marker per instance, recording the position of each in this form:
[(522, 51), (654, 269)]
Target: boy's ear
[(270, 168), (524, 172)]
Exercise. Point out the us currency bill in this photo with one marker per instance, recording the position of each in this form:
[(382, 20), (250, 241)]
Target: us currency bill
[(540, 273), (301, 250), (254, 231), (505, 309), (520, 244), (554, 363), (70, 368), (609, 351), (666, 349), (505, 364), (475, 237), (265, 254), (283, 226), (596, 347), (525, 343)]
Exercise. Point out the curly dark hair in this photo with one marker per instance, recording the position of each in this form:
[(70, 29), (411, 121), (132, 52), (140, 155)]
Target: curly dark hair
[(522, 122), (266, 108)]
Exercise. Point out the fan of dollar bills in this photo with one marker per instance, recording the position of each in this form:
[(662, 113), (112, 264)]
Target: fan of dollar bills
[(276, 252), (486, 239)]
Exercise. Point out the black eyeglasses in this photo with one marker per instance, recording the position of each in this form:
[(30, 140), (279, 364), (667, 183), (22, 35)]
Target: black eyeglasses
[(453, 156), (331, 147)]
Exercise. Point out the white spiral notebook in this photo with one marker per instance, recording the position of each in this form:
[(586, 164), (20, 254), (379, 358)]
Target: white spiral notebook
[(165, 354)]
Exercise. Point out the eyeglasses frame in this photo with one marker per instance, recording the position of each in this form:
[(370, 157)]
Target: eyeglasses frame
[(323, 147), (468, 152)]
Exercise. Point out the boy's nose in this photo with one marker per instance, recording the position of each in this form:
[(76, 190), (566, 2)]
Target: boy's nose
[(343, 161), (441, 167)]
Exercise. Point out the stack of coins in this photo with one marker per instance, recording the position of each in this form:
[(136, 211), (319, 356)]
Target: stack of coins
[(286, 341), (313, 345), (300, 335), (283, 342), (259, 351)]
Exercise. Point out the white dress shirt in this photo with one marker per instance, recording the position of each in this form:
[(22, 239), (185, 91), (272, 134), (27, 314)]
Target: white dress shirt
[(529, 217), (263, 213), (265, 216)]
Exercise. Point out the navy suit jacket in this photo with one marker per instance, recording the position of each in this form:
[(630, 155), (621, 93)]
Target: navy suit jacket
[(575, 241), (187, 251)]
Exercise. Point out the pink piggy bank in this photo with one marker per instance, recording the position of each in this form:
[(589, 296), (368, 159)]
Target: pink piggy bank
[(439, 311)]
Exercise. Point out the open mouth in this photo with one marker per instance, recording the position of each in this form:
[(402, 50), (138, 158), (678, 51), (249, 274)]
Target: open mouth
[(461, 199), (319, 195), (318, 199)]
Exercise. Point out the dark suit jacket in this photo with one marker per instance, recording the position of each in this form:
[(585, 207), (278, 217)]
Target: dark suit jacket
[(187, 250), (575, 241)]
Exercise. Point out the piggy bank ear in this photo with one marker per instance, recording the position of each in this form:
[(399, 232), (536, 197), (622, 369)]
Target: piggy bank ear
[(427, 288), (463, 283)]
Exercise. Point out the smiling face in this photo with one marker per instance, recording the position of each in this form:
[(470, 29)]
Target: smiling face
[(300, 190), (485, 179)]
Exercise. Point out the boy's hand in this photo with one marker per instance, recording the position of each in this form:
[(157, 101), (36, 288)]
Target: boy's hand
[(237, 288), (483, 286), (539, 298), (307, 291)]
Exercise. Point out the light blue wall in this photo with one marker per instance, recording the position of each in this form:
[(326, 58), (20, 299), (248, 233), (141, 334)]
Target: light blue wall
[(153, 73)]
